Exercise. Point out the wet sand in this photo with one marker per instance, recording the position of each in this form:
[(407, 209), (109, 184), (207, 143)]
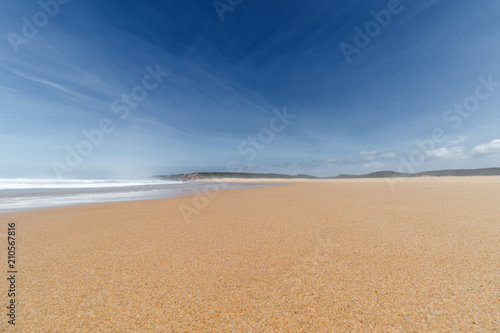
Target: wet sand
[(316, 256)]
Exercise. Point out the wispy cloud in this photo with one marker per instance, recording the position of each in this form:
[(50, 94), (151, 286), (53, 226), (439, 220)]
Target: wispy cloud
[(53, 86), (482, 150), (457, 141), (368, 153), (374, 165), (389, 155), (447, 153), (424, 6), (487, 149)]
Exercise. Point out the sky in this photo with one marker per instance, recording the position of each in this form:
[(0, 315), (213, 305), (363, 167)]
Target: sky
[(121, 89)]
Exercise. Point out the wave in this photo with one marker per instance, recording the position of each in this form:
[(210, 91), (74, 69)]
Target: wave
[(27, 183)]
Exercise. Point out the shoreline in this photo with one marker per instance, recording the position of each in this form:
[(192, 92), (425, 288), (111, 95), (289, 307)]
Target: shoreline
[(392, 184), (111, 195)]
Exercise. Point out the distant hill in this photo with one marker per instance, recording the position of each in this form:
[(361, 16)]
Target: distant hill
[(241, 175), (379, 174), (464, 172), (438, 173)]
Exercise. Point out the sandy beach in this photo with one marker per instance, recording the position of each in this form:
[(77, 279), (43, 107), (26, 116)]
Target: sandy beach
[(314, 256)]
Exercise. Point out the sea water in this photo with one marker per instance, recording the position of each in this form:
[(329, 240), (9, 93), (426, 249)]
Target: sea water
[(25, 194)]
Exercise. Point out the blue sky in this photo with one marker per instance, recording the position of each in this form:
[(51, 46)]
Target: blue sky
[(222, 82)]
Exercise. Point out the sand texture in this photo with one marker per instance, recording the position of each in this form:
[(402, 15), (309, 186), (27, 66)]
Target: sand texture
[(317, 256)]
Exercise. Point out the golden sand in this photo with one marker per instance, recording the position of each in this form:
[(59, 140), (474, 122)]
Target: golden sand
[(317, 256)]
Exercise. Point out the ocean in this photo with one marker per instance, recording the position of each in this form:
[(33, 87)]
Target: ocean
[(26, 194)]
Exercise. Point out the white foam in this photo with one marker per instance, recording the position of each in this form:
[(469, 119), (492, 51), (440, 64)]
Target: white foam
[(16, 204), (26, 183)]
